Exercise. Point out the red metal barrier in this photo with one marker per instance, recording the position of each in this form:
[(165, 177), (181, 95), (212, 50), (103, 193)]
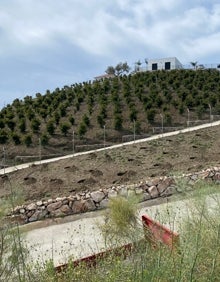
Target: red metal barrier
[(92, 260), (156, 232)]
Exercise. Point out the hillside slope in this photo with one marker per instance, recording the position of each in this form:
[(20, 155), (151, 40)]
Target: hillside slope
[(118, 105), (187, 152)]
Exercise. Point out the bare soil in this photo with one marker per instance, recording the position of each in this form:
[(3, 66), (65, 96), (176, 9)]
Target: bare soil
[(184, 153)]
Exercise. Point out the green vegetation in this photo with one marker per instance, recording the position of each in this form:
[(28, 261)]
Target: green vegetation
[(197, 257), (115, 102)]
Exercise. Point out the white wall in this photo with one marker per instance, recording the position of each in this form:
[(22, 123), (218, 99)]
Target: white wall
[(174, 63)]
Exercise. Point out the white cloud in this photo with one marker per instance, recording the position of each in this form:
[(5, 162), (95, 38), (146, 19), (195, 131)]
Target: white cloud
[(52, 38), (100, 27)]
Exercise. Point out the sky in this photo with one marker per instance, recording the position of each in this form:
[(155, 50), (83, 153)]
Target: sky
[(45, 44)]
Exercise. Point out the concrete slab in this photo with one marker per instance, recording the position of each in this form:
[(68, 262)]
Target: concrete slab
[(80, 236)]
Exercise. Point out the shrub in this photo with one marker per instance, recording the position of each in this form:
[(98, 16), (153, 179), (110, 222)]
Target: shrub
[(64, 127), (3, 136), (16, 138), (28, 140)]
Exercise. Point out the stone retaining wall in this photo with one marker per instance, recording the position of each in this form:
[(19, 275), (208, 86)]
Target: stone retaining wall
[(90, 201)]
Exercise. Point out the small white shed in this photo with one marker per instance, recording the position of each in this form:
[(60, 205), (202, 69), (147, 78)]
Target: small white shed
[(171, 63)]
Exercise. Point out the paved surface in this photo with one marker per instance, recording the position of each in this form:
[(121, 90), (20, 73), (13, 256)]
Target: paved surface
[(79, 236), (154, 137)]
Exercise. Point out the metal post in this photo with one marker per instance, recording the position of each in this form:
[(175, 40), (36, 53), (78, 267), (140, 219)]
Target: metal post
[(134, 124), (73, 140), (210, 113), (39, 149), (161, 122), (104, 136), (4, 159), (188, 117)]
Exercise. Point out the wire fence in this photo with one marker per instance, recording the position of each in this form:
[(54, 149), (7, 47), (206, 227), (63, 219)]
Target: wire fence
[(80, 147)]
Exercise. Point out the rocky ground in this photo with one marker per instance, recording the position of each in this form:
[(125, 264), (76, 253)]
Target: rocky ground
[(184, 153)]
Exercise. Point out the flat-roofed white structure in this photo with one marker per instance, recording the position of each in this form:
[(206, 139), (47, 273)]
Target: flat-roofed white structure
[(171, 63)]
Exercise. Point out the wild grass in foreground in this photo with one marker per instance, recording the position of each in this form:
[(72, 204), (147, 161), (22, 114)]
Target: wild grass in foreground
[(196, 259)]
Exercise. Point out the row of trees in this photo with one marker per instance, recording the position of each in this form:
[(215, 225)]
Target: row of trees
[(124, 68), (119, 69), (87, 107)]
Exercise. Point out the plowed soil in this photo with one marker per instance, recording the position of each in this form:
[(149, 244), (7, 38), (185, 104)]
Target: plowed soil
[(184, 153)]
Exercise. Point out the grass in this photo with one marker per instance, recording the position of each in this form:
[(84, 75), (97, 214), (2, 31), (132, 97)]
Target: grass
[(197, 257)]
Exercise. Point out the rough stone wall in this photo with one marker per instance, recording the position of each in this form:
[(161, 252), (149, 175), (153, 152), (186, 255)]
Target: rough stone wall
[(90, 201)]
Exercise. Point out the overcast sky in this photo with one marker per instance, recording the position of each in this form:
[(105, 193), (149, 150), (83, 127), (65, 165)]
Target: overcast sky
[(45, 44)]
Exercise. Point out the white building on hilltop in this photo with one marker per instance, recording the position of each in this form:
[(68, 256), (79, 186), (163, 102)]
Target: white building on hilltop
[(171, 63)]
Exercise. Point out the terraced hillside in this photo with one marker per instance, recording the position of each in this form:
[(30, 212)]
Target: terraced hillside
[(117, 106), (131, 164)]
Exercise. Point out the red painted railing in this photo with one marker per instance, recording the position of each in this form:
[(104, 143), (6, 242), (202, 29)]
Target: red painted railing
[(156, 232), (91, 261)]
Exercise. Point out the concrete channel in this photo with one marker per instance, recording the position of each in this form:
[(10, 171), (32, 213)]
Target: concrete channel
[(79, 236)]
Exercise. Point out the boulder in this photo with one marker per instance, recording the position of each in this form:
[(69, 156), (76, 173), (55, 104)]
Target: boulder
[(65, 209), (79, 206), (104, 203), (57, 213), (90, 205), (97, 196), (31, 207), (39, 214), (39, 203), (153, 192), (54, 206), (162, 186), (169, 191), (112, 194)]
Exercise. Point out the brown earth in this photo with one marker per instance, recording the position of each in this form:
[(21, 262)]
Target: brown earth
[(179, 154)]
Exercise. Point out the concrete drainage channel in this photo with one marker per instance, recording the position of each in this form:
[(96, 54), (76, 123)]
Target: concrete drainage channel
[(79, 236)]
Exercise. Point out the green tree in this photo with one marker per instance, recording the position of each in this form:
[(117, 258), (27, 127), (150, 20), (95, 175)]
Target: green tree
[(44, 139), (3, 136), (30, 114), (2, 124), (11, 124), (16, 139), (110, 70), (57, 117), (86, 120), (22, 125), (118, 69), (194, 64), (28, 140), (82, 129), (71, 120), (125, 67), (62, 110), (35, 125), (137, 66), (133, 113), (118, 122), (50, 127), (64, 127), (151, 115), (100, 120), (168, 118)]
